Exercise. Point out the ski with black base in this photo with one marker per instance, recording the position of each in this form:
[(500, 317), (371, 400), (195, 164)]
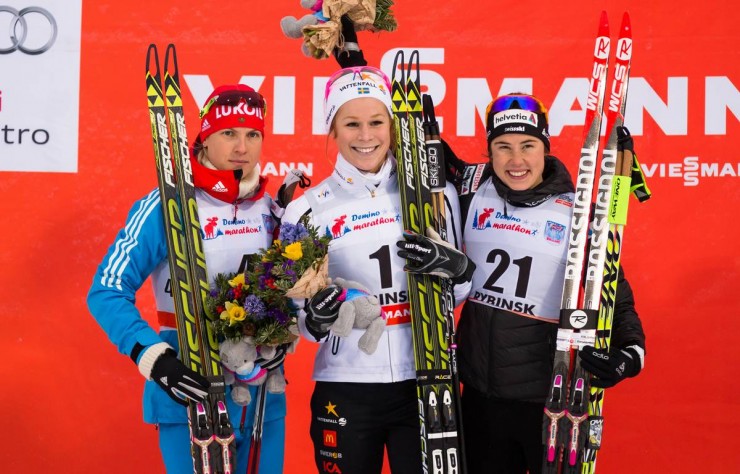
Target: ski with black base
[(212, 437), (437, 391)]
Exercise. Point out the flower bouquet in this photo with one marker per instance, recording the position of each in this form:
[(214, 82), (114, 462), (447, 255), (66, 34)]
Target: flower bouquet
[(257, 303), (252, 312)]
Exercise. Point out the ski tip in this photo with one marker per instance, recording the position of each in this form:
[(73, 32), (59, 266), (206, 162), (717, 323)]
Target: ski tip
[(603, 25), (152, 60), (626, 22), (396, 72)]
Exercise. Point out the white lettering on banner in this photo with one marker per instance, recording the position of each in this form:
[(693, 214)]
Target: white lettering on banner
[(721, 96), (271, 168), (691, 170), (39, 113), (670, 115), (669, 110)]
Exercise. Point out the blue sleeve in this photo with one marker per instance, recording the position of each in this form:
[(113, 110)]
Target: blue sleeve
[(138, 248)]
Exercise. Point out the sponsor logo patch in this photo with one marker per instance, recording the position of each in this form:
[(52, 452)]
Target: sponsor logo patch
[(554, 232), (515, 117)]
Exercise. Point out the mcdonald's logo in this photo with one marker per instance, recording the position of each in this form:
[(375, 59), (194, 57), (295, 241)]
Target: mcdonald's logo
[(330, 438)]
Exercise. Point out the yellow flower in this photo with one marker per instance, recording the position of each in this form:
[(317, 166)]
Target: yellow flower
[(234, 313), (293, 251), (234, 282)]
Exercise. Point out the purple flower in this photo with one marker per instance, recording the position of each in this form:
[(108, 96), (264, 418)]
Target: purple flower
[(277, 315), (213, 293), (255, 307), (292, 275), (230, 294), (261, 282), (290, 233)]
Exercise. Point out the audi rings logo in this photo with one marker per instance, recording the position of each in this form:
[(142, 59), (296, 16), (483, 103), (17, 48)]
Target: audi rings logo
[(19, 30)]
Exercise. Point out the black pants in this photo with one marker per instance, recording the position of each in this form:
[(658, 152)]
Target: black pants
[(501, 436), (352, 423)]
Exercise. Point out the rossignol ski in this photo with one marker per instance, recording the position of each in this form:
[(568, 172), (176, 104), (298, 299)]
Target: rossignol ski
[(430, 297), (572, 422), (626, 169), (212, 437)]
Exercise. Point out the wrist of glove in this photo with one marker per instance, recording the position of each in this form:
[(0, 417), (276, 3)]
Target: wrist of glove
[(159, 363), (610, 368), (433, 256), (322, 310), (350, 55)]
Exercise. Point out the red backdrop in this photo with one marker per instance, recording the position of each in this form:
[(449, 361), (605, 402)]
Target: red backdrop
[(72, 403)]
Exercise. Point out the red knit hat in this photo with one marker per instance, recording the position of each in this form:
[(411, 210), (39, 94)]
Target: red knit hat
[(232, 106)]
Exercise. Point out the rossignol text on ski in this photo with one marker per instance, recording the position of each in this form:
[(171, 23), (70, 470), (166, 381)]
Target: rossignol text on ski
[(572, 423)]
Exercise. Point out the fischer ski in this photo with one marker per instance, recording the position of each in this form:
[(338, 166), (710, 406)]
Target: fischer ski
[(212, 437), (430, 297), (572, 423)]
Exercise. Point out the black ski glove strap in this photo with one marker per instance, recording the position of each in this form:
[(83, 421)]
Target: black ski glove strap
[(425, 255), (610, 368), (322, 310), (276, 360), (178, 381)]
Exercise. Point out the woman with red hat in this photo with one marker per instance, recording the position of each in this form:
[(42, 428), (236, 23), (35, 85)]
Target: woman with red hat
[(230, 193)]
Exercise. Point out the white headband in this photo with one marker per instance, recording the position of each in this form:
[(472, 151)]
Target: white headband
[(355, 83)]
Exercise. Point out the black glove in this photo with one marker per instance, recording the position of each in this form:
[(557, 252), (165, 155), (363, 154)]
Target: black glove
[(322, 310), (178, 381), (275, 361), (610, 368), (351, 54), (434, 256), (624, 140)]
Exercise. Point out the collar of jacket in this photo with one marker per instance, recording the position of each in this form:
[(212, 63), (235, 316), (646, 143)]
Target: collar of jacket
[(223, 185)]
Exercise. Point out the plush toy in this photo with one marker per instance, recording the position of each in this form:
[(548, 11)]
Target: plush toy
[(361, 312), (293, 27), (239, 360), (322, 30)]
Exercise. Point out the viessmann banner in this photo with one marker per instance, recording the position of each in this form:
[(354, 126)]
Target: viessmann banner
[(39, 99), (39, 85), (76, 152)]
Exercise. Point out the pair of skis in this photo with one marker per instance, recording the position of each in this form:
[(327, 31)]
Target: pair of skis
[(421, 181), (211, 433), (573, 423)]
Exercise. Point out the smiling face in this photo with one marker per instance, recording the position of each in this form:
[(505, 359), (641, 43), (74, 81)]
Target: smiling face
[(518, 160), (362, 131), (234, 148)]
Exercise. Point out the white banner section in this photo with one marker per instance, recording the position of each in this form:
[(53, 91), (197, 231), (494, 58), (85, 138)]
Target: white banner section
[(39, 85)]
